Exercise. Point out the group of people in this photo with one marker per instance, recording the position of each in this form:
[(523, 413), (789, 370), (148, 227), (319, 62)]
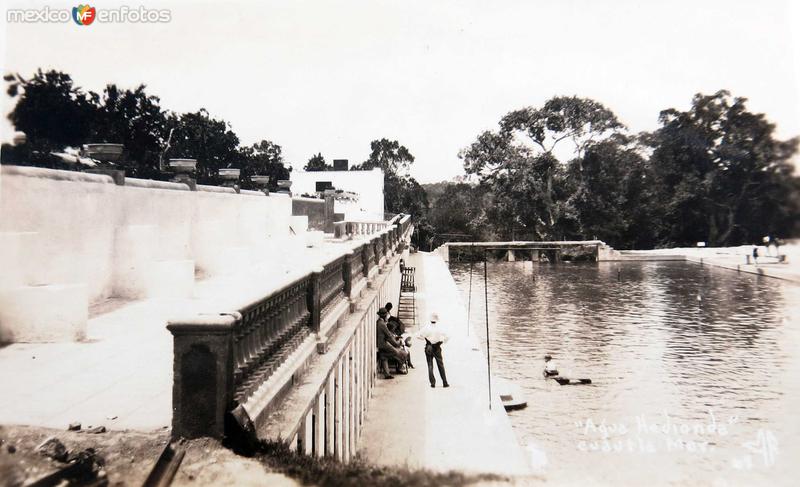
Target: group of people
[(769, 242), (393, 342)]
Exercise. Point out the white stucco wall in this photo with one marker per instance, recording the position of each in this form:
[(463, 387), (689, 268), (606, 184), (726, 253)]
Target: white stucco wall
[(62, 228), (368, 185)]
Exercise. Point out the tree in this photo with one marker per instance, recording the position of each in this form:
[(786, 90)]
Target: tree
[(56, 114), (263, 158), (460, 212), (609, 194), (520, 164), (388, 155), (210, 141), (317, 163), (135, 119), (402, 193), (725, 178), (51, 110)]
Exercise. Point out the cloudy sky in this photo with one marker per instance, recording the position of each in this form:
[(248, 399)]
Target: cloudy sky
[(330, 76)]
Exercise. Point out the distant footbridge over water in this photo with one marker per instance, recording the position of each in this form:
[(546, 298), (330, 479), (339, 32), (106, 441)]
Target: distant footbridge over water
[(550, 251)]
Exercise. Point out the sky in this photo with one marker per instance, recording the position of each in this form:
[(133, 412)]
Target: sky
[(331, 76)]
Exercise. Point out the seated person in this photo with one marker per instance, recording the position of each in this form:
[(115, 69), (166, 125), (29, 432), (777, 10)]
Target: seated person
[(387, 344), (397, 327), (393, 322), (549, 366)]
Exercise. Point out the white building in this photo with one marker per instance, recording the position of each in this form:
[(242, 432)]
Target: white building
[(359, 193)]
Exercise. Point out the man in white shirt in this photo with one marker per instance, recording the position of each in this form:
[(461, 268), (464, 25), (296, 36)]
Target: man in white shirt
[(434, 337), (549, 366)]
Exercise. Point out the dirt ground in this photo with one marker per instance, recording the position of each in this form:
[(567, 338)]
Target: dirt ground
[(127, 458)]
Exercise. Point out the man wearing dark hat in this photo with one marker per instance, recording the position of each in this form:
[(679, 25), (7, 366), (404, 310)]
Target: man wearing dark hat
[(387, 344), (550, 369), (398, 328)]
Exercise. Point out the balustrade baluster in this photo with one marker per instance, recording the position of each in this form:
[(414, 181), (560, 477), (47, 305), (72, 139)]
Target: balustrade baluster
[(347, 273), (264, 333), (247, 338), (238, 354)]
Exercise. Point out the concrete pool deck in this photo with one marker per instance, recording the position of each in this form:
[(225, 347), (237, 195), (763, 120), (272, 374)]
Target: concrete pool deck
[(733, 258), (442, 429), (120, 376)]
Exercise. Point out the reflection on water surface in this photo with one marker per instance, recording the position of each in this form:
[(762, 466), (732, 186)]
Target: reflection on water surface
[(696, 369)]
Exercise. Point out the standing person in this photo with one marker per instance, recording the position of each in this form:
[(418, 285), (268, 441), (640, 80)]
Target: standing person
[(755, 254), (387, 344), (434, 337)]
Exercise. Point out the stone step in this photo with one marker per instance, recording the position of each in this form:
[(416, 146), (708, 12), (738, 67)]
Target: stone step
[(43, 314)]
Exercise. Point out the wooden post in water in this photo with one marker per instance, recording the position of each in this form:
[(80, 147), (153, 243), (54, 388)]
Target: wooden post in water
[(488, 348)]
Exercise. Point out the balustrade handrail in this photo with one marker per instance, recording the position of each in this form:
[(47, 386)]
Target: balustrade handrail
[(332, 281), (374, 222), (263, 330)]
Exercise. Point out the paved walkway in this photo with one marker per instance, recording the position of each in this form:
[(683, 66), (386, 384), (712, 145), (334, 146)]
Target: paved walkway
[(120, 377), (408, 423), (735, 258)]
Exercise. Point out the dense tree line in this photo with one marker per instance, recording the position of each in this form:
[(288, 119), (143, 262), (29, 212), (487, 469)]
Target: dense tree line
[(56, 116), (570, 170)]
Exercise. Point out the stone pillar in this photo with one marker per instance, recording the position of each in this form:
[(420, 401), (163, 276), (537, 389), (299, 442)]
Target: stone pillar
[(203, 366), (510, 257)]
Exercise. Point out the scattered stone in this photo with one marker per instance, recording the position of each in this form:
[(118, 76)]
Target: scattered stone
[(96, 430), (53, 448), (11, 449), (76, 426)]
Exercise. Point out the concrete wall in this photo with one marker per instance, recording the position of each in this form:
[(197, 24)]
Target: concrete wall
[(368, 185), (144, 239), (319, 212)]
